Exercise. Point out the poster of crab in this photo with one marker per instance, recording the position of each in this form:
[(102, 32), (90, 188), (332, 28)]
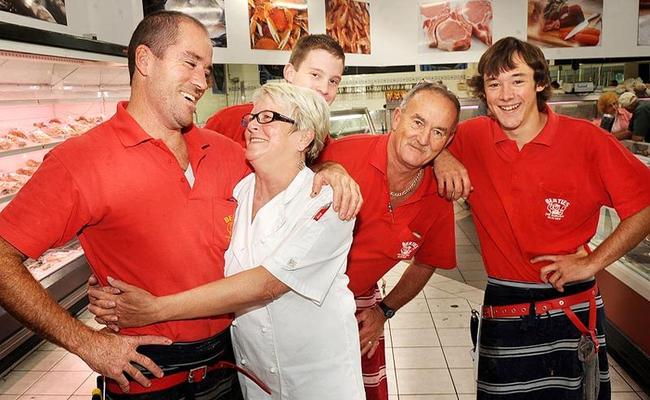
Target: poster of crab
[(644, 23), (277, 24), (211, 13), (348, 21), (456, 25), (565, 23), (45, 10)]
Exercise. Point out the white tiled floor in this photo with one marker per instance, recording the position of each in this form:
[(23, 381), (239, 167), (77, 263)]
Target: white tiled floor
[(427, 345)]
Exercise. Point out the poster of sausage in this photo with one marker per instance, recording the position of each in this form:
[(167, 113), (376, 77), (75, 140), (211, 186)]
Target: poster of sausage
[(644, 23), (348, 21), (45, 10), (565, 23), (455, 25), (277, 24), (211, 13)]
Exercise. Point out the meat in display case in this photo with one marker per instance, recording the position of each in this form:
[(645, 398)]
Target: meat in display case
[(45, 100)]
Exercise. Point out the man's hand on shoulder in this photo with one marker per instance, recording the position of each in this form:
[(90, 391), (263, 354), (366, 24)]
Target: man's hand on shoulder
[(347, 193), (452, 176)]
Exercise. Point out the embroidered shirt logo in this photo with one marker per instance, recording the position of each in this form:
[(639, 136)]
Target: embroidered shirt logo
[(555, 208), (408, 248), (228, 220)]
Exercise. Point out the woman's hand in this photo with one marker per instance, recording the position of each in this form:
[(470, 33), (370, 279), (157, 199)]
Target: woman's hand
[(123, 305)]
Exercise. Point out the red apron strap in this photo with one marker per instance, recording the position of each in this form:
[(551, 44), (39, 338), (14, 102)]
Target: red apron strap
[(247, 374), (591, 332)]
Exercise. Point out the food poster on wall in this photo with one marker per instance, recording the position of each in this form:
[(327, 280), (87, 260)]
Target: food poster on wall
[(211, 13), (644, 23), (456, 25), (348, 21), (277, 24), (45, 10), (565, 23)]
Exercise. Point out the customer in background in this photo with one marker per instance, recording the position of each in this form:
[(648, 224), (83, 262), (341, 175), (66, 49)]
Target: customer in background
[(294, 324), (316, 62), (640, 122), (640, 89), (538, 193), (608, 104)]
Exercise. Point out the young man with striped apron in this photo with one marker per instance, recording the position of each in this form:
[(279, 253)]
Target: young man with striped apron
[(539, 182)]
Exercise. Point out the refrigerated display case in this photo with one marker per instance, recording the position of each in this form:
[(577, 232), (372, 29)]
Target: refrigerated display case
[(625, 287), (45, 100), (352, 121)]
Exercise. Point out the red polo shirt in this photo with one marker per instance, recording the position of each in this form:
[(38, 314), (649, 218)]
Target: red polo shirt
[(546, 198), (123, 193), (227, 122), (421, 227)]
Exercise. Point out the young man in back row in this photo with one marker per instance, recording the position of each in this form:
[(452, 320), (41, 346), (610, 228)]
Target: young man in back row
[(316, 63)]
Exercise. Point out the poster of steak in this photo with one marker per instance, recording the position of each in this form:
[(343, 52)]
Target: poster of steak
[(348, 21), (277, 24), (644, 23), (211, 13), (565, 23), (45, 10), (455, 25)]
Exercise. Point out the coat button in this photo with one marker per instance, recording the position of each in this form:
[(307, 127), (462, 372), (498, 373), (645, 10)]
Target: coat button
[(234, 323), (265, 329), (244, 361), (273, 370)]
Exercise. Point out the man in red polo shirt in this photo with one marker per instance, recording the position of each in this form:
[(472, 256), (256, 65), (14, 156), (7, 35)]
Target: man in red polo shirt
[(316, 62), (540, 180), (150, 197), (402, 217)]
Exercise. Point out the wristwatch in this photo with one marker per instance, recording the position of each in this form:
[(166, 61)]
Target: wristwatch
[(388, 312)]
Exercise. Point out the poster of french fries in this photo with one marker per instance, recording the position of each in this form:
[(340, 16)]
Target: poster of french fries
[(455, 25), (644, 23), (348, 21), (565, 23), (277, 24)]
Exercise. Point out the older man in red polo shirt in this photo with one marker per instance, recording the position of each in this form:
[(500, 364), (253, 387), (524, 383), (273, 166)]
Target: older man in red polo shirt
[(150, 197), (540, 180), (402, 217)]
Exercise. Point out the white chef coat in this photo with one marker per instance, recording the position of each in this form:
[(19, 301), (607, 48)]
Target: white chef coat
[(304, 344)]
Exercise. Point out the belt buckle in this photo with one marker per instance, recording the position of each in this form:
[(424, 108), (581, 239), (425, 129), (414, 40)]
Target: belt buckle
[(202, 372)]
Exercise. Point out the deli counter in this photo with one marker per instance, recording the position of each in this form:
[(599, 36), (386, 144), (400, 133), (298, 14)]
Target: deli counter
[(44, 101)]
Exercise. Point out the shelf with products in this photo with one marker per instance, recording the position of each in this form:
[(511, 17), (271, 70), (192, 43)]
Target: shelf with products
[(44, 101)]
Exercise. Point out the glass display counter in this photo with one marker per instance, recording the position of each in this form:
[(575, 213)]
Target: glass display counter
[(352, 121)]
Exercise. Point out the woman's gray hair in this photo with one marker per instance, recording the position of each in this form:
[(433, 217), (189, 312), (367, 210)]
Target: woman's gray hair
[(308, 109)]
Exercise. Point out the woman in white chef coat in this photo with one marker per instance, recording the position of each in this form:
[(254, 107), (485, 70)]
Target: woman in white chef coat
[(295, 326)]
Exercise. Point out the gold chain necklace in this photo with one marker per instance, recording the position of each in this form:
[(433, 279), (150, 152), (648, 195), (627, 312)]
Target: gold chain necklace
[(410, 187)]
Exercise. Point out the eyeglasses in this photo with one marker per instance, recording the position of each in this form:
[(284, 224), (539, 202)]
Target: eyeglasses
[(265, 117)]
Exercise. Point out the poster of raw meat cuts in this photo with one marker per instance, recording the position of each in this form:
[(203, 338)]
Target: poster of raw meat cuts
[(455, 25), (45, 10), (277, 24), (565, 23), (211, 13), (348, 21), (644, 23)]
